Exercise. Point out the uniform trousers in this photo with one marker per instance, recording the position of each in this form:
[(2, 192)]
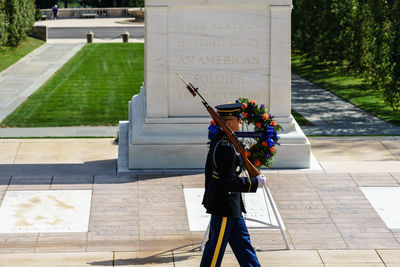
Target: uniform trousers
[(224, 230)]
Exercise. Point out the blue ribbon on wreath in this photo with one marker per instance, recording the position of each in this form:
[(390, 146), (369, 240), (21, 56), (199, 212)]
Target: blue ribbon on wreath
[(270, 142), (213, 130), (268, 135)]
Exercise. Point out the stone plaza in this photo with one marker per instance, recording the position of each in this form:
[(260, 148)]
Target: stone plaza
[(142, 219)]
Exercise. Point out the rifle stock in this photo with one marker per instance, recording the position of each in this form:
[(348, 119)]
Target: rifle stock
[(253, 172)]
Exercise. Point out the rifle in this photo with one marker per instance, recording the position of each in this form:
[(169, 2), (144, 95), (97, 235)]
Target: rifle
[(253, 172)]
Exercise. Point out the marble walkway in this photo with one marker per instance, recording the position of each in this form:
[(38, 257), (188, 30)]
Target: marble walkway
[(23, 78), (332, 115), (142, 219)]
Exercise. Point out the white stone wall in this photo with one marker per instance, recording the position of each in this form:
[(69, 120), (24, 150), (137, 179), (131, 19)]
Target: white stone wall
[(229, 49)]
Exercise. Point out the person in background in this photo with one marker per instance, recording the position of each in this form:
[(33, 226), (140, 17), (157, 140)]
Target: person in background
[(55, 11)]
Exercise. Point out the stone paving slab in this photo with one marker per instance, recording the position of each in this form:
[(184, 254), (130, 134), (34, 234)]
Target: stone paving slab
[(390, 256), (374, 179), (56, 259), (53, 151), (81, 131), (360, 166), (302, 258), (334, 149), (43, 152), (8, 152), (349, 256)]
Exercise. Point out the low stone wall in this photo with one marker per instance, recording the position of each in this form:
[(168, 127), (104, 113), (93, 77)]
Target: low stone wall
[(39, 32), (66, 13), (137, 13)]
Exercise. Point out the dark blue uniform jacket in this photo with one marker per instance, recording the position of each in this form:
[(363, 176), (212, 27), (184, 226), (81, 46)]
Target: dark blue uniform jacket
[(223, 185)]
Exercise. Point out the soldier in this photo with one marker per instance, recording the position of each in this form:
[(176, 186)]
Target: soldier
[(222, 197)]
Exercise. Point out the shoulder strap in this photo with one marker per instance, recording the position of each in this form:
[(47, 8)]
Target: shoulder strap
[(224, 142)]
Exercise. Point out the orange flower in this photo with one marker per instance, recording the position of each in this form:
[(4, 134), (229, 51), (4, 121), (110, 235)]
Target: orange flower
[(272, 149), (273, 123), (244, 106), (213, 122), (248, 153), (265, 116), (258, 124), (244, 115), (229, 102), (253, 102), (257, 163), (264, 144)]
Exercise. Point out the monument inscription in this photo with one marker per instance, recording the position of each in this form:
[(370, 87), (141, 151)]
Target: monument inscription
[(222, 51)]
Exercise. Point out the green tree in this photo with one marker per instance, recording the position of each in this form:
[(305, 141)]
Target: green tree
[(3, 24), (362, 37), (21, 17), (42, 4), (391, 78)]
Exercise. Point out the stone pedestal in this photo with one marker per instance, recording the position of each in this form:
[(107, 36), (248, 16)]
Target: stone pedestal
[(39, 32), (89, 37), (125, 37), (229, 49)]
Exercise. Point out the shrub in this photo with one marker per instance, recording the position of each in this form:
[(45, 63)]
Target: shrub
[(38, 14), (16, 20), (3, 24)]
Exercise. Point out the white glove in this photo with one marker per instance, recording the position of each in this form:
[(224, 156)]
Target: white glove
[(261, 180)]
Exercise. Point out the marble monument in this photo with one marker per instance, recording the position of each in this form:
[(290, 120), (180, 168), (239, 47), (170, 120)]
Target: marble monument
[(229, 49)]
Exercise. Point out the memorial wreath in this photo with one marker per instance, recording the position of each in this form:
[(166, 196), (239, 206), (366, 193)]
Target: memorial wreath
[(260, 153)]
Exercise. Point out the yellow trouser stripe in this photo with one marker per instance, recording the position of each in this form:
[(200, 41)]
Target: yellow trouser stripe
[(249, 182), (215, 175), (220, 237)]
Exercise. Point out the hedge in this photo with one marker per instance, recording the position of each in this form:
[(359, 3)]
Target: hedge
[(16, 20), (3, 24), (361, 37)]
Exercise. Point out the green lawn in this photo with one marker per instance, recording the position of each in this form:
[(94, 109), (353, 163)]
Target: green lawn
[(10, 55), (350, 88), (93, 88)]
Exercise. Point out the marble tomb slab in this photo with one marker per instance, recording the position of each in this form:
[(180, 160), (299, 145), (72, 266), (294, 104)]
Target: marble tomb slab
[(45, 211), (386, 201), (256, 204)]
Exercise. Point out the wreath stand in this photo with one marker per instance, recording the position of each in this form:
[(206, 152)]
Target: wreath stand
[(267, 194)]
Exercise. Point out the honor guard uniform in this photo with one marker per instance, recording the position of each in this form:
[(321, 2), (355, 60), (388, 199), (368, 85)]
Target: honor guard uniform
[(223, 199)]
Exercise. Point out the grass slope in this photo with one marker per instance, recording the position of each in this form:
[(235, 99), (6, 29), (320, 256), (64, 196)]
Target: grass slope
[(301, 120), (10, 55), (93, 88)]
